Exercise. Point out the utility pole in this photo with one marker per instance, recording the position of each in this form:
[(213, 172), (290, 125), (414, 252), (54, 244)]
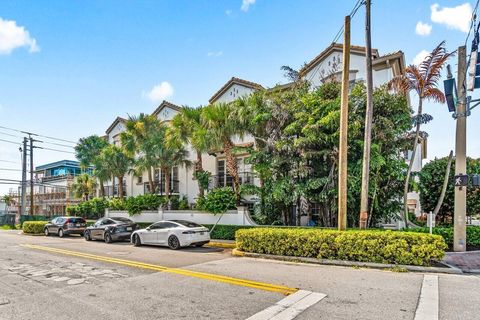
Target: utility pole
[(24, 176), (459, 230), (31, 176), (368, 122), (342, 157)]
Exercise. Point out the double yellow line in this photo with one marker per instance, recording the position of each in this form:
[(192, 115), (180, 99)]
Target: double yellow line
[(137, 264)]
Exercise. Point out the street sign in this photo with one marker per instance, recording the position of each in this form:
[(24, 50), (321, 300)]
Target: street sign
[(476, 180), (461, 180)]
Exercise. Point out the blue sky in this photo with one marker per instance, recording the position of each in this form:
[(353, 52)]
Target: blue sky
[(76, 65)]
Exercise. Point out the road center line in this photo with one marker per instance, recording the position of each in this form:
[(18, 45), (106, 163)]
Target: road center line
[(289, 307), (427, 308), (137, 264)]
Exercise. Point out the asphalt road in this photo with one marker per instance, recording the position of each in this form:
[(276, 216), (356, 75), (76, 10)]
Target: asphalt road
[(52, 278)]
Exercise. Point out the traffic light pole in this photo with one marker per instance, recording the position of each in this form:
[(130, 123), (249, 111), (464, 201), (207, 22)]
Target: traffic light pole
[(459, 231)]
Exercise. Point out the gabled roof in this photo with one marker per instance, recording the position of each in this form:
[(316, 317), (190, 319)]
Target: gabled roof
[(231, 82), (335, 47), (115, 122), (387, 59), (165, 104)]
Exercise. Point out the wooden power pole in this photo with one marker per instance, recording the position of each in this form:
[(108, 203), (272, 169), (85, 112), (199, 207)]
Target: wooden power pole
[(368, 122), (32, 208), (459, 228), (342, 158)]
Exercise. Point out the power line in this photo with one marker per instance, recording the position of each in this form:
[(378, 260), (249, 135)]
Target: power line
[(17, 143), (9, 169), (472, 23), (57, 150), (38, 135)]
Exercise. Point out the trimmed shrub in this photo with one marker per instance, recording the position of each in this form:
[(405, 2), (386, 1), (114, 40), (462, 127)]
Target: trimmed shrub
[(473, 234), (34, 226), (225, 232), (135, 205), (407, 248), (218, 200)]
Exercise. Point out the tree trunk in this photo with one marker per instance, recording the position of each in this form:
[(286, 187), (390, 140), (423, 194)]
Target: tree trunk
[(199, 168), (232, 167), (167, 172), (445, 185), (410, 165), (120, 187), (102, 189), (150, 180)]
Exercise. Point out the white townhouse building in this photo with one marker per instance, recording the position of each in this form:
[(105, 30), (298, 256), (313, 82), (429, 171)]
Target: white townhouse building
[(325, 66)]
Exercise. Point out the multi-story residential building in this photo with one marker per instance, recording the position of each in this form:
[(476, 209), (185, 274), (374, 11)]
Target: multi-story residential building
[(52, 188), (326, 66)]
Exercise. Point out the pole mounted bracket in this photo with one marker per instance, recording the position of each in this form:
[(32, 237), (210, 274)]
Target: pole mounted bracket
[(461, 181)]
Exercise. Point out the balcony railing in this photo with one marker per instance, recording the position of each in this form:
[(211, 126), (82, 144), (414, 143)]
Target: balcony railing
[(227, 180)]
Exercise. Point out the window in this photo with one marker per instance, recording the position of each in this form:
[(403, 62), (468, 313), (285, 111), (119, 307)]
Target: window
[(221, 173), (187, 224), (139, 180)]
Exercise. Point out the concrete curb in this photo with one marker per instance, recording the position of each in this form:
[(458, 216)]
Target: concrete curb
[(449, 270), (223, 245)]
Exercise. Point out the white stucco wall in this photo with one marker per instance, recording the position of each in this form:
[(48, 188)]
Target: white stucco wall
[(234, 92)]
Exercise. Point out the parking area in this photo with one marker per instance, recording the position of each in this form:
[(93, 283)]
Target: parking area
[(75, 279)]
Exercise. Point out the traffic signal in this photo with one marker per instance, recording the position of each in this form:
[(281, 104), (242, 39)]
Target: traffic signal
[(449, 89), (476, 180)]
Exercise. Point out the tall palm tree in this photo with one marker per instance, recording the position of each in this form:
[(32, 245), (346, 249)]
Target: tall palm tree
[(423, 80), (84, 186), (102, 172), (118, 163), (138, 143), (87, 149), (186, 129), (218, 119)]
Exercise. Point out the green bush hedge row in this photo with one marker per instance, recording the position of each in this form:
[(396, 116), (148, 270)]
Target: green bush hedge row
[(34, 226), (473, 234), (407, 248)]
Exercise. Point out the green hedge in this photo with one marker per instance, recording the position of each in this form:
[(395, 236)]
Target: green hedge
[(225, 232), (473, 234), (407, 248), (33, 226)]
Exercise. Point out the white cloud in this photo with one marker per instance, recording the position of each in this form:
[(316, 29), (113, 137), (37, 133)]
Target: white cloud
[(454, 18), (423, 29), (228, 12), (159, 92), (420, 57), (13, 36), (215, 54), (246, 4)]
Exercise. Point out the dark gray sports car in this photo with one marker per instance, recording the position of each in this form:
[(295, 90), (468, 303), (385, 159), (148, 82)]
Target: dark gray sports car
[(110, 230)]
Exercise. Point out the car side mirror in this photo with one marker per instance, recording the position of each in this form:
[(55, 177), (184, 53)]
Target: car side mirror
[(148, 229)]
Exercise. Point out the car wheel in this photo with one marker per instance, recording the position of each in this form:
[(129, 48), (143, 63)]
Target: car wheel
[(173, 243), (47, 233), (137, 242), (108, 238), (60, 233), (86, 235)]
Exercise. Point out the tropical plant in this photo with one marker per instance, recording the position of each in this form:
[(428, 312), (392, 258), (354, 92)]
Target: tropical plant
[(222, 125), (84, 186), (138, 141), (423, 80), (118, 163), (186, 128), (101, 172), (88, 149)]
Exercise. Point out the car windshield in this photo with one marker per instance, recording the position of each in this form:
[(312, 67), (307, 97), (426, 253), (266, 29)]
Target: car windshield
[(187, 224), (120, 219), (76, 220)]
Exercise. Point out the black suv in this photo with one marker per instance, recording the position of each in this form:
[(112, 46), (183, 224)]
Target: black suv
[(111, 229), (65, 225)]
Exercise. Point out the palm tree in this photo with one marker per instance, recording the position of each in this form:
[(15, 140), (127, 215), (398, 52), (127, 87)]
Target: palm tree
[(186, 129), (423, 80), (137, 141), (118, 163), (222, 125), (102, 172), (83, 186), (87, 149)]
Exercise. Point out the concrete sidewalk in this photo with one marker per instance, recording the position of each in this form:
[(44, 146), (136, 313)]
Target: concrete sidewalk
[(468, 262)]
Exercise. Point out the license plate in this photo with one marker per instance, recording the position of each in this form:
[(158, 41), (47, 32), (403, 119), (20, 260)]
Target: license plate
[(78, 224), (201, 233), (129, 228)]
